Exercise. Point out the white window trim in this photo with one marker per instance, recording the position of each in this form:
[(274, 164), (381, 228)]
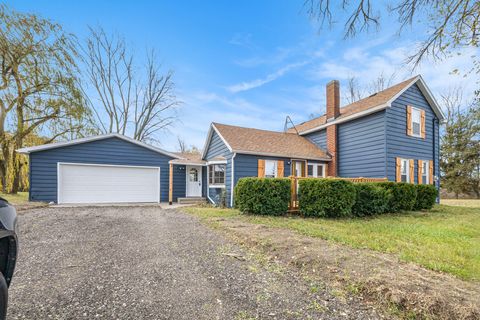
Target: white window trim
[(419, 135), (316, 165), (427, 172), (407, 173), (275, 165), (216, 185)]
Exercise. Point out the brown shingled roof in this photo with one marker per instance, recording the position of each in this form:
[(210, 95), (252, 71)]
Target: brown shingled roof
[(188, 158), (372, 101), (263, 142)]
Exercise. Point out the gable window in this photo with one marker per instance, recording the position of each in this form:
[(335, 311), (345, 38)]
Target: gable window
[(216, 174), (271, 169), (416, 122), (404, 165), (316, 170)]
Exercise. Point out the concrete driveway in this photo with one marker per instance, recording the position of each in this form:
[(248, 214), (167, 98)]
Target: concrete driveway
[(149, 263)]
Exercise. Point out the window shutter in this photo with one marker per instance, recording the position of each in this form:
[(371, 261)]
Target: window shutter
[(280, 168), (420, 167), (409, 121), (261, 168), (422, 123), (398, 170), (430, 174), (412, 170), (304, 168)]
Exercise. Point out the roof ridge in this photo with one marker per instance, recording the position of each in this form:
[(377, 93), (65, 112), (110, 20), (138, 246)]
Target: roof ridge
[(362, 99), (350, 108), (249, 128)]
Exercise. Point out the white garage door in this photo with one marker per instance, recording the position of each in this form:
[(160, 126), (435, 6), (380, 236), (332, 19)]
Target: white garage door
[(93, 183)]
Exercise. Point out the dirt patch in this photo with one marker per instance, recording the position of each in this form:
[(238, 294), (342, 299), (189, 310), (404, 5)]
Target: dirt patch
[(404, 288)]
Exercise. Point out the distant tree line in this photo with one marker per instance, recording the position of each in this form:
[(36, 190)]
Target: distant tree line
[(55, 87)]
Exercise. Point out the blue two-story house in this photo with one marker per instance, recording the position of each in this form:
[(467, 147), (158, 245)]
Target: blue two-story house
[(391, 134)]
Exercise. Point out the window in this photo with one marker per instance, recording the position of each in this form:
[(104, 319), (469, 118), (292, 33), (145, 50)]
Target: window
[(316, 170), (271, 169), (193, 175), (425, 169), (416, 122), (404, 170), (216, 174)]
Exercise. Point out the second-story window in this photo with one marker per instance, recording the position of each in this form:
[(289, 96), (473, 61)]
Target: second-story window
[(416, 122)]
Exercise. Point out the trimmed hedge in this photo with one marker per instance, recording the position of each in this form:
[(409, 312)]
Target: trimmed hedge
[(403, 195), (266, 196), (326, 197), (426, 196), (371, 199)]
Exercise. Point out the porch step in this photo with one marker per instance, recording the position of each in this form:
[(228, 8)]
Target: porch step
[(191, 200)]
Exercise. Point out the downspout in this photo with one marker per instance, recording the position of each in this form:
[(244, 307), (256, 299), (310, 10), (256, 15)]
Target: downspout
[(232, 180)]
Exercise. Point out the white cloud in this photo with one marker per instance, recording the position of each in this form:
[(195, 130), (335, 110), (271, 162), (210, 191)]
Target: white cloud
[(244, 86)]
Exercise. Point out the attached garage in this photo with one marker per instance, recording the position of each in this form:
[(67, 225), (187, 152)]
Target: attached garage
[(102, 169), (94, 183)]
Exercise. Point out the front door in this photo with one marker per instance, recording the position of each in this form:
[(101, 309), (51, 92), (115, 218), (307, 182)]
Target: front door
[(194, 181)]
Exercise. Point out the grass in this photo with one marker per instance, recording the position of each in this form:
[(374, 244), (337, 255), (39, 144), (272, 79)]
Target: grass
[(473, 203), (446, 239), (19, 198)]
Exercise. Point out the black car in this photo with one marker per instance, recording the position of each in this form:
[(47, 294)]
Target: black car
[(8, 251)]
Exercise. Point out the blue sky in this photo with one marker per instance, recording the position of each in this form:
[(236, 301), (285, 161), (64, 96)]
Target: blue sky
[(249, 63)]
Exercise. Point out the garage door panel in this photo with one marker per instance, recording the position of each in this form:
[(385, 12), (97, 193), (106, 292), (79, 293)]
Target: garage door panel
[(79, 183)]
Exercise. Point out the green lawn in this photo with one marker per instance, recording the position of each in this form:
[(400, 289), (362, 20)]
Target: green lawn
[(447, 238), (473, 203), (19, 198)]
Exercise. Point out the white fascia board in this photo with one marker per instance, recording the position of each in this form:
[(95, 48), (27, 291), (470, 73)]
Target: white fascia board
[(421, 84), (209, 138), (94, 138), (217, 162), (348, 118)]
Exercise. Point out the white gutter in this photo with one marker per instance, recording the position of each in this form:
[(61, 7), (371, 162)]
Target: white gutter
[(347, 118), (232, 179)]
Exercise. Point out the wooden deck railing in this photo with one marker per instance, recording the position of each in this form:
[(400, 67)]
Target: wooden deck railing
[(294, 202)]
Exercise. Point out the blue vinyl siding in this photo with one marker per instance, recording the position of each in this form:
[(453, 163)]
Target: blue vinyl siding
[(319, 138), (217, 148), (399, 144), (43, 164), (179, 182), (246, 165), (361, 147)]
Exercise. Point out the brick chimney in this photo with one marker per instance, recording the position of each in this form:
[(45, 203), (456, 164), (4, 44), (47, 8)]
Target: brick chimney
[(333, 99), (333, 111)]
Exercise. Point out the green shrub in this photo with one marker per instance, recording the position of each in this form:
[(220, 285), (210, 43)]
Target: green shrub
[(371, 199), (403, 195), (326, 197), (267, 196), (426, 196)]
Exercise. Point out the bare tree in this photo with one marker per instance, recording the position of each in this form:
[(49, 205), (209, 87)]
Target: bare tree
[(353, 92), (130, 100), (381, 83), (182, 145), (356, 90), (453, 24)]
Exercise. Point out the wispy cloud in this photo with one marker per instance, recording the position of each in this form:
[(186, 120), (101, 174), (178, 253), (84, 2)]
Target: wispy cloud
[(248, 85)]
